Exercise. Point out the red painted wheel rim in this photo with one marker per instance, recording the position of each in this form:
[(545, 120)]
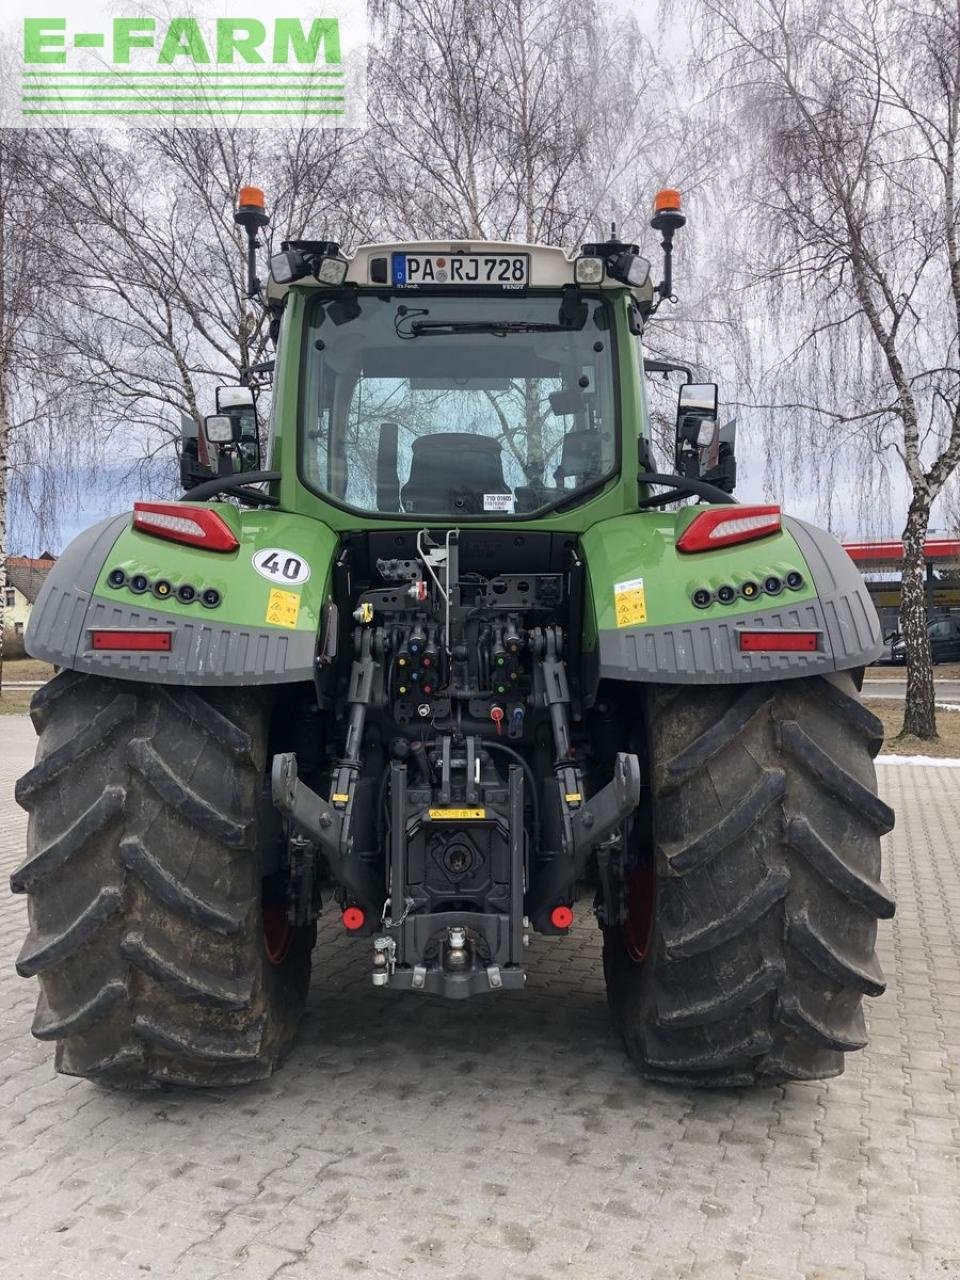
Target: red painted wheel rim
[(276, 932), (638, 926)]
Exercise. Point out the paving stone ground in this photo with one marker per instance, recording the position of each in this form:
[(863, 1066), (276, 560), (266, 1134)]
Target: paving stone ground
[(504, 1136)]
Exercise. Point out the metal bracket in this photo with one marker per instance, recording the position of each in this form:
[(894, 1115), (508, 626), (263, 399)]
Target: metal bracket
[(604, 811), (319, 819)]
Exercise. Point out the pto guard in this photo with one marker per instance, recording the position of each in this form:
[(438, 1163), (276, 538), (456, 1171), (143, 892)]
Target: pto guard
[(649, 630), (263, 628)]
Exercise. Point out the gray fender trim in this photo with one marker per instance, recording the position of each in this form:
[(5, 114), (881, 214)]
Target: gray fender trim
[(204, 652), (56, 621), (707, 652)]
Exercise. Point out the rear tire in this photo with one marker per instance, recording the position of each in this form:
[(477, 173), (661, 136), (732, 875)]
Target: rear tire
[(145, 899), (766, 828)]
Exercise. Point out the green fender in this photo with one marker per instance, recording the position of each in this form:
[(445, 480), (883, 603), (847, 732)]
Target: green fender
[(259, 627), (643, 623)]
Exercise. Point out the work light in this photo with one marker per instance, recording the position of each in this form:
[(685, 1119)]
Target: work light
[(588, 270)]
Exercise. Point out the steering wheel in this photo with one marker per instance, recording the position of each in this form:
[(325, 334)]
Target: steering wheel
[(684, 487), (235, 487)]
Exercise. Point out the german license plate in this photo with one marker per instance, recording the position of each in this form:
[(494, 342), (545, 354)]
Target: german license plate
[(503, 270)]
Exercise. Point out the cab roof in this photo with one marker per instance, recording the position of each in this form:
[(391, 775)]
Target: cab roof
[(550, 267)]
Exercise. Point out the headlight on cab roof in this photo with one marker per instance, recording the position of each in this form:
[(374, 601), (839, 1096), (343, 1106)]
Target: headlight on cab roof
[(588, 270), (285, 267), (630, 268), (300, 258), (331, 270)]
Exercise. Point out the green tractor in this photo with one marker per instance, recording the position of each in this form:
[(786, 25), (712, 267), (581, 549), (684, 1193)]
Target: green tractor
[(456, 667)]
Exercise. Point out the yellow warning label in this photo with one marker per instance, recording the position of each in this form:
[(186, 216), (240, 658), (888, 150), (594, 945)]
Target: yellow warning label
[(573, 797), (457, 815), (340, 797), (630, 602), (283, 608)]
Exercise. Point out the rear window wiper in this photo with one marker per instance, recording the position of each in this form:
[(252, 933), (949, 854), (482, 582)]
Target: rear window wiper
[(498, 328)]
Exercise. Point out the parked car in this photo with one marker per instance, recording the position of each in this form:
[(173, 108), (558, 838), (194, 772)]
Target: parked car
[(944, 643)]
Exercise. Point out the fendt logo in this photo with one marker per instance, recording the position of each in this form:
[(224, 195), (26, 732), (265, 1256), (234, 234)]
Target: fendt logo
[(100, 66)]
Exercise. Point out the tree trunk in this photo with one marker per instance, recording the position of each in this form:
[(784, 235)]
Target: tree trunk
[(920, 717)]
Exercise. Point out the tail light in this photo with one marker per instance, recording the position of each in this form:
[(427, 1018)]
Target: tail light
[(145, 641), (778, 641), (727, 526), (178, 522)]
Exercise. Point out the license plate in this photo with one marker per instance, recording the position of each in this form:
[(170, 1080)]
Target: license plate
[(501, 270)]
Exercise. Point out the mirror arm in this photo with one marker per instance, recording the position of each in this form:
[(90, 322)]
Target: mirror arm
[(686, 488)]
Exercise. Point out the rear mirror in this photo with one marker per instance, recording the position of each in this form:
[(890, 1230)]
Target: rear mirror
[(698, 397), (223, 428), (565, 403), (698, 431), (235, 398), (239, 405), (194, 454)]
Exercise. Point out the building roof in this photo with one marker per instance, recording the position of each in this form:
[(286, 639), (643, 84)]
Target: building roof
[(28, 575), (877, 554)]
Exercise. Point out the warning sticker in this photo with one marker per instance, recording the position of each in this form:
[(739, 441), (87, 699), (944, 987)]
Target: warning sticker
[(498, 502), (283, 608), (460, 815), (630, 601)]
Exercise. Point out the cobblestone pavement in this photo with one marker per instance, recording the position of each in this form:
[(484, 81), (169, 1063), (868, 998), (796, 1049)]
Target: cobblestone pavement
[(505, 1136)]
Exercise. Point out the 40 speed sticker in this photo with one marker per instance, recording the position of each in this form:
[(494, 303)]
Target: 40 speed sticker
[(277, 565)]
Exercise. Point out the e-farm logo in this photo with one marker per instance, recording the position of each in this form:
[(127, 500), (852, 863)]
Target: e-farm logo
[(195, 67)]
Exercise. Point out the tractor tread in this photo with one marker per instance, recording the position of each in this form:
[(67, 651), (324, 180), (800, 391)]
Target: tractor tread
[(764, 929), (715, 1054), (696, 755), (50, 858), (146, 930), (48, 1025), (43, 949), (849, 1033), (835, 778), (184, 799), (228, 734), (868, 893), (161, 960), (45, 697), (854, 714), (732, 826), (201, 1046), (122, 708), (210, 912), (726, 1003), (832, 959), (770, 890)]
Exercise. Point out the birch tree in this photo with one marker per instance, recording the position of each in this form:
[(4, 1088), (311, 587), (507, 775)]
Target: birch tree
[(851, 109), (152, 264)]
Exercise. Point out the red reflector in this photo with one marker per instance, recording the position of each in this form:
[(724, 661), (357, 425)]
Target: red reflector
[(183, 522), (157, 641), (778, 641), (561, 917), (726, 526), (354, 918)]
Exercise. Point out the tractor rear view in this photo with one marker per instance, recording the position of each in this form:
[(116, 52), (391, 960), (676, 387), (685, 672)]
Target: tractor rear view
[(439, 652)]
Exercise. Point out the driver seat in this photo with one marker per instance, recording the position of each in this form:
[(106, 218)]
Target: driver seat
[(450, 472)]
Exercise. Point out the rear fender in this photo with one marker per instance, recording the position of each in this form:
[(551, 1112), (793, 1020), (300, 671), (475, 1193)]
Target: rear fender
[(643, 624), (262, 630)]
